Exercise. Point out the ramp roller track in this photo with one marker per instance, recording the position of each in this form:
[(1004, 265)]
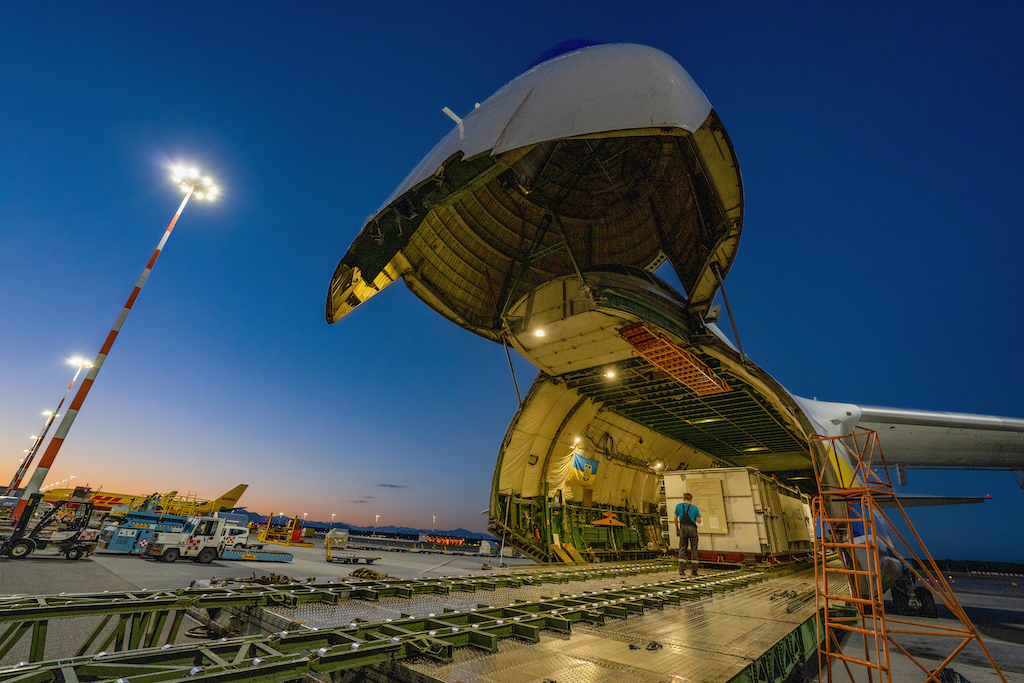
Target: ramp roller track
[(151, 618), (290, 655)]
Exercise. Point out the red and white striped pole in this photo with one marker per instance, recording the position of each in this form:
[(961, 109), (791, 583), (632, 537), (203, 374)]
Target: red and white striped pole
[(50, 417), (76, 404)]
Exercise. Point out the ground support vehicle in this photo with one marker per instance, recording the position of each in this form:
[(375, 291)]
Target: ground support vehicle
[(335, 540), (205, 539), (133, 534), (70, 535)]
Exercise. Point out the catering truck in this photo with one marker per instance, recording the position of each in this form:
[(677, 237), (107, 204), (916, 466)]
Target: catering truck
[(205, 539)]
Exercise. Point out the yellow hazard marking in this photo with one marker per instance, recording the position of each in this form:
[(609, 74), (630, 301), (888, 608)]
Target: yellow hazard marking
[(842, 468)]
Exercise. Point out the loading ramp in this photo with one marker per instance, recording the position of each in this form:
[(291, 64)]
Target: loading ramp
[(724, 626)]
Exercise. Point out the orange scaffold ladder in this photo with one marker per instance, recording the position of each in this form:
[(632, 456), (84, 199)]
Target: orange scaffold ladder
[(852, 536)]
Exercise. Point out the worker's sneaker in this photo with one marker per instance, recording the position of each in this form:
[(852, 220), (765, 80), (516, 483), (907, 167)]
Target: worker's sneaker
[(693, 573)]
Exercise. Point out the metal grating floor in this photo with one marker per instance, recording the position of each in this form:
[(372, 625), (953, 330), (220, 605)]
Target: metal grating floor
[(710, 640)]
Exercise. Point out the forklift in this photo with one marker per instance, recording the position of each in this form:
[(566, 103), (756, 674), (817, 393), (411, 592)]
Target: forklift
[(71, 536)]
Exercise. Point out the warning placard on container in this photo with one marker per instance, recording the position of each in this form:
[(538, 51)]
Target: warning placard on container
[(707, 496)]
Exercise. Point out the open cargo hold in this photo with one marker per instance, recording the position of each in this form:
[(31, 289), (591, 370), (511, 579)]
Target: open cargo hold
[(746, 516)]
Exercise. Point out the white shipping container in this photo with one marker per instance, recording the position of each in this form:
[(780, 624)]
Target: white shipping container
[(742, 511)]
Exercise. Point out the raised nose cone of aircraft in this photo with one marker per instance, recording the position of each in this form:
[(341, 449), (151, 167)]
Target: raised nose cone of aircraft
[(602, 155)]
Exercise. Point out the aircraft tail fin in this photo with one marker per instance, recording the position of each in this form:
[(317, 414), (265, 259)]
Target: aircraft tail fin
[(230, 499)]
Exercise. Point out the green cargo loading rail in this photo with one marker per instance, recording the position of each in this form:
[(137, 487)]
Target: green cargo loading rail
[(143, 617), (291, 655)]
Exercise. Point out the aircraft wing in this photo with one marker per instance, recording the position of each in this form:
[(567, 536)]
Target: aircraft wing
[(921, 438), (911, 500)]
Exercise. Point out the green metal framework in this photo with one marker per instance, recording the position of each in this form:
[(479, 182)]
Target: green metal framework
[(775, 665), (143, 619), (290, 655), (738, 427), (572, 522)]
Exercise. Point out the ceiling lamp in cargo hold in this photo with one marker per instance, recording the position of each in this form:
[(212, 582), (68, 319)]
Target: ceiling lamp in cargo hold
[(609, 154)]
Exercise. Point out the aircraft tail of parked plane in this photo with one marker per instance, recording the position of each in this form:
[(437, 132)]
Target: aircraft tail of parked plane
[(230, 499)]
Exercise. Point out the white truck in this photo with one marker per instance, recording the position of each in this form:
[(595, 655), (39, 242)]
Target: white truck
[(205, 539)]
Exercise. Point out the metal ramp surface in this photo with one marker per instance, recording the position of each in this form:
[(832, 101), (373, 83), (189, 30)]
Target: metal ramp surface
[(742, 634)]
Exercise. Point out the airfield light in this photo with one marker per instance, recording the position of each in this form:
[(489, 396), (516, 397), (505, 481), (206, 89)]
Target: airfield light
[(51, 416), (192, 181), (46, 462)]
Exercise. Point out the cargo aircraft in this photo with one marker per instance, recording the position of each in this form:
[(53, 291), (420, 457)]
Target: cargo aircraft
[(105, 501), (538, 223)]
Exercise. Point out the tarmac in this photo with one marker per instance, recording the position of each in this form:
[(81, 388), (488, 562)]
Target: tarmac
[(44, 574)]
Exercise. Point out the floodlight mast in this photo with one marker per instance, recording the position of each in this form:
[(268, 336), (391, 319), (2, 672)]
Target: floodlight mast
[(193, 183), (50, 417)]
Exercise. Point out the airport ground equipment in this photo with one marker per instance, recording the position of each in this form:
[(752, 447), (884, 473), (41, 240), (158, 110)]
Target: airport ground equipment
[(337, 539), (136, 530), (425, 543), (70, 536), (288, 534), (849, 521), (205, 539)]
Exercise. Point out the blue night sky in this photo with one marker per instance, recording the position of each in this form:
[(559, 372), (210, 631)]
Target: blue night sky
[(880, 145)]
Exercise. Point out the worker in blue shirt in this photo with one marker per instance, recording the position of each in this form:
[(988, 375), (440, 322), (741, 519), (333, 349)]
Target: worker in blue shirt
[(687, 518)]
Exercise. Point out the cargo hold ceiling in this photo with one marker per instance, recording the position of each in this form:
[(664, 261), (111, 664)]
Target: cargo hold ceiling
[(485, 231), (738, 427)]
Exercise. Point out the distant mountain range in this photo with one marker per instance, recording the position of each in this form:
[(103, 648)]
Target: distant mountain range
[(450, 533)]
